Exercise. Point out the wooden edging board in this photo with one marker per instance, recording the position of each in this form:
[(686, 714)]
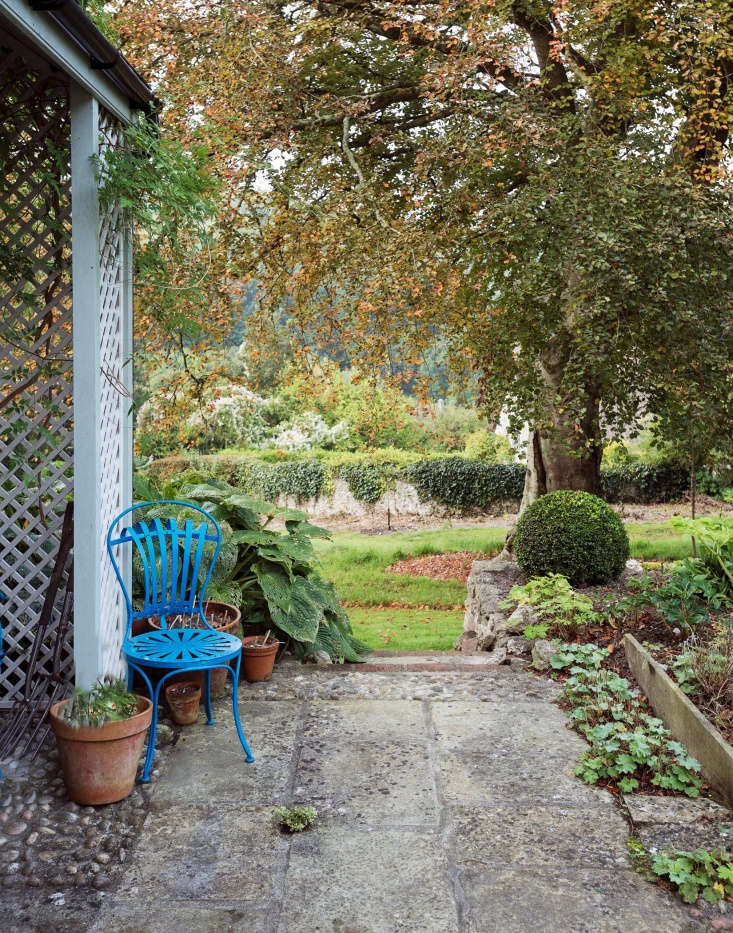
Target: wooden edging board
[(683, 719)]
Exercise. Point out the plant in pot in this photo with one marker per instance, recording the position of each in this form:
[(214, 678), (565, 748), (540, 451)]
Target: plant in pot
[(183, 698), (275, 573), (271, 574), (100, 735), (222, 617), (258, 657)]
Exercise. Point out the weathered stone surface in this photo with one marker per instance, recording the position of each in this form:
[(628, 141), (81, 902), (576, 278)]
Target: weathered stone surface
[(632, 570), (484, 757), (686, 836), (519, 647), (680, 823), (205, 854), (520, 619), (559, 899), (542, 652), (489, 630), (368, 759), (368, 882), (209, 760), (175, 918), (487, 586), (644, 808)]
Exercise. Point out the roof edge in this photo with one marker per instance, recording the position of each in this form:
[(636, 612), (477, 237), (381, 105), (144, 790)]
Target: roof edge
[(103, 56)]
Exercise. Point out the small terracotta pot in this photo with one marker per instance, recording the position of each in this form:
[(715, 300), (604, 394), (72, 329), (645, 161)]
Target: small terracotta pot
[(183, 701), (100, 762), (258, 660)]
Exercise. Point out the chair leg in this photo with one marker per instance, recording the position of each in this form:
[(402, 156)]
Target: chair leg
[(154, 696), (207, 698), (235, 707)]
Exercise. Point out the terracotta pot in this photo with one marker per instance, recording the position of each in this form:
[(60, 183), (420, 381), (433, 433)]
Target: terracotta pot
[(223, 617), (183, 700), (100, 762), (258, 660)]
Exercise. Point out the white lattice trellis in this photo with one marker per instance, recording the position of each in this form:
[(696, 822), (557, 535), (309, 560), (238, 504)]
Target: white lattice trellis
[(112, 407), (36, 410)]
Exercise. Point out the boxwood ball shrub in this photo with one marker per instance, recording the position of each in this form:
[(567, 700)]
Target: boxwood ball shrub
[(573, 533)]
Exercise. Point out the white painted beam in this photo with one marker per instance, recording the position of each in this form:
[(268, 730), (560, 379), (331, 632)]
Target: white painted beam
[(46, 38), (86, 332)]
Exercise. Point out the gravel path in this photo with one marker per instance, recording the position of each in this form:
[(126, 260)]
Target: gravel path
[(446, 804)]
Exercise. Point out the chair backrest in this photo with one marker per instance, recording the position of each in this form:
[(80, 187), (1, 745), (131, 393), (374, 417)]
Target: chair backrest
[(172, 555)]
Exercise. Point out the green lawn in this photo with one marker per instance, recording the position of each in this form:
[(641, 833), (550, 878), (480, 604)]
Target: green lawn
[(428, 618), (407, 629), (357, 564)]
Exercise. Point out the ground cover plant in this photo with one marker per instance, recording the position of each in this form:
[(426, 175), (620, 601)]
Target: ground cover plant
[(629, 747), (295, 819), (556, 605), (697, 873)]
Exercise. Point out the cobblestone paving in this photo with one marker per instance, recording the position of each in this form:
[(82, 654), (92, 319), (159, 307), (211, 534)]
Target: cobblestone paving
[(446, 804)]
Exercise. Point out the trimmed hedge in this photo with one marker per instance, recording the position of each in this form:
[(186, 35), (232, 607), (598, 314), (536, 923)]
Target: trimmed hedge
[(573, 533), (456, 482), (466, 484), (643, 482)]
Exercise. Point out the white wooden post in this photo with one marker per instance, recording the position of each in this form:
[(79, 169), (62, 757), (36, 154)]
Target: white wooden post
[(127, 381), (86, 330)]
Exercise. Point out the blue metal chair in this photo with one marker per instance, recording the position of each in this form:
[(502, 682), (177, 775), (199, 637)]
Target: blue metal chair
[(172, 557)]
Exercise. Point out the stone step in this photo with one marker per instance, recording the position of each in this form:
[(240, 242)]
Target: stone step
[(393, 661)]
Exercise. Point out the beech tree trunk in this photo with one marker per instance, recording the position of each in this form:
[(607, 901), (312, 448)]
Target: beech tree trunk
[(551, 466), (569, 455)]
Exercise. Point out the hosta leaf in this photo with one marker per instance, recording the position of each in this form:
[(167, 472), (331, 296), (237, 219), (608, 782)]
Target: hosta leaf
[(211, 492), (302, 616), (305, 528), (259, 506), (275, 582), (255, 538)]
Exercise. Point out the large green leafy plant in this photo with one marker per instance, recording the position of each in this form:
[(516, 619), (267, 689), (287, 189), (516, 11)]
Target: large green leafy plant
[(272, 575), (714, 539)]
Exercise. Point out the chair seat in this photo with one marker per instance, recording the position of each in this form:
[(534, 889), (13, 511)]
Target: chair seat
[(182, 648)]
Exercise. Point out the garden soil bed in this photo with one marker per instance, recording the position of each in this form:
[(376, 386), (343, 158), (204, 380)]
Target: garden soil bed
[(455, 566)]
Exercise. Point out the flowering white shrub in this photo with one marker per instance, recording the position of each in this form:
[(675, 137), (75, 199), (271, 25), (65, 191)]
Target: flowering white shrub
[(232, 420), (309, 430)]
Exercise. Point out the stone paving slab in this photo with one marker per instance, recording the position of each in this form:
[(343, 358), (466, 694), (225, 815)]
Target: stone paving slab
[(207, 854), (209, 760), (644, 809), (124, 917), (486, 756), (367, 761), (508, 835), (687, 836), (559, 899), (358, 881)]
